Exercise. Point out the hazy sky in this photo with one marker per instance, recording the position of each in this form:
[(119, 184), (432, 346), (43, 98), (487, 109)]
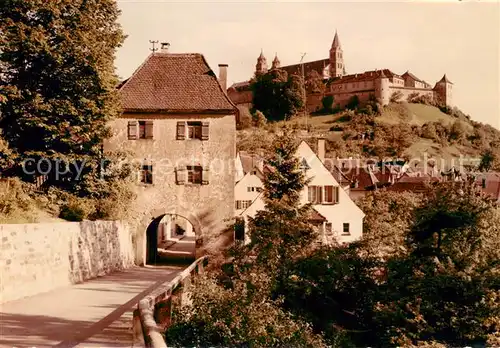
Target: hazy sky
[(428, 38)]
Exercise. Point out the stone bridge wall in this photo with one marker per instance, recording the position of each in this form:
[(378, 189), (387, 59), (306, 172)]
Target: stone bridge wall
[(36, 258)]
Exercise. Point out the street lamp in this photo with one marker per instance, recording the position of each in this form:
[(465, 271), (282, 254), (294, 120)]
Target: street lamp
[(304, 88)]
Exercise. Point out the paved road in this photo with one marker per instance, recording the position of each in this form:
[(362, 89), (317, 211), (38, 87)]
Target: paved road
[(97, 313)]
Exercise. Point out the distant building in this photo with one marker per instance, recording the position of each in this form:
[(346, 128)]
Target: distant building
[(379, 84)]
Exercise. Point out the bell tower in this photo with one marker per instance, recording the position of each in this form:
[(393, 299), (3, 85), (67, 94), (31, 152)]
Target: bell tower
[(261, 66), (337, 67)]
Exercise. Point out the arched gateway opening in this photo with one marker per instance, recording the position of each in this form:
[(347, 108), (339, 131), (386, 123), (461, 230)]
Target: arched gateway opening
[(171, 238)]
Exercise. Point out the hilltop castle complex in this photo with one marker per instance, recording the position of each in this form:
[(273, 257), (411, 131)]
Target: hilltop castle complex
[(381, 84)]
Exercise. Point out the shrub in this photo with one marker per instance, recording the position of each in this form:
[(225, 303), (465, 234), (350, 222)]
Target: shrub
[(76, 209), (353, 103), (245, 119), (259, 119), (15, 203), (327, 103), (396, 97)]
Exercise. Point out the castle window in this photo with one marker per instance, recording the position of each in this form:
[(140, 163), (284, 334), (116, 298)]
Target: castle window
[(146, 174)]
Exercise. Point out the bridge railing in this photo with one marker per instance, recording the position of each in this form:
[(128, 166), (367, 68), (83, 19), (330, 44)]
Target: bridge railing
[(154, 313)]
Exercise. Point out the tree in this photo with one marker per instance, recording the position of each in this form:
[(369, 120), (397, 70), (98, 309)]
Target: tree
[(489, 161), (259, 119), (245, 117), (396, 97), (457, 131), (314, 82), (58, 77), (389, 217), (240, 306), (353, 103), (327, 102), (277, 95), (442, 290)]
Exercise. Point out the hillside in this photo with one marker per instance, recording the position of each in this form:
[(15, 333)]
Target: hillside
[(400, 129)]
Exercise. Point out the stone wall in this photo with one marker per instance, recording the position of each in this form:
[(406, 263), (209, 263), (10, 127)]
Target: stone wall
[(36, 258)]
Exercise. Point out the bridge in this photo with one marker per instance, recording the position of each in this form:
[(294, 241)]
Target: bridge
[(96, 313)]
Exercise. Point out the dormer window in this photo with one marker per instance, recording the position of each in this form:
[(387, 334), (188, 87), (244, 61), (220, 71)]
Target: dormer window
[(304, 166)]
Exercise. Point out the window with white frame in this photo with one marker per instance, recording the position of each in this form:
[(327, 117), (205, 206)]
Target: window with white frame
[(323, 194), (240, 204), (346, 229)]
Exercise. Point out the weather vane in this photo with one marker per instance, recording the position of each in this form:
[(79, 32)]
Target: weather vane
[(154, 49)]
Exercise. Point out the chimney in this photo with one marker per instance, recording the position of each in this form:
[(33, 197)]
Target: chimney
[(321, 149), (164, 47), (223, 76)]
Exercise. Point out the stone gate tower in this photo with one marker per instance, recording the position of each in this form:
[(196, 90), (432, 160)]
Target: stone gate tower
[(337, 67)]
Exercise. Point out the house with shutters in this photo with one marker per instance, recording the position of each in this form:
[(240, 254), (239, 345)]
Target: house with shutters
[(334, 213), (180, 127)]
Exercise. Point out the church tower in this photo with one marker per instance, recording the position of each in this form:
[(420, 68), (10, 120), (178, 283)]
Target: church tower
[(261, 67), (276, 62), (337, 67)]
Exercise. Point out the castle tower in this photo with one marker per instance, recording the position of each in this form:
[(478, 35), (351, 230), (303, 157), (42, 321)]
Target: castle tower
[(337, 67), (276, 62), (382, 92), (261, 67), (443, 92)]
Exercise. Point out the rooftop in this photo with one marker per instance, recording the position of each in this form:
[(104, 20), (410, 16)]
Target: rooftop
[(171, 83)]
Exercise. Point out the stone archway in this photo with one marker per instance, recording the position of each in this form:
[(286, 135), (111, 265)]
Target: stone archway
[(151, 232)]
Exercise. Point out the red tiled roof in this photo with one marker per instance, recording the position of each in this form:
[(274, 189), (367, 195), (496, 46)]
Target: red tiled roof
[(412, 76), (445, 79), (315, 216), (366, 76), (168, 82), (296, 69), (399, 186), (249, 161), (417, 179)]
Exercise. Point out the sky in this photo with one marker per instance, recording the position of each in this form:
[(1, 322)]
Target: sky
[(429, 38)]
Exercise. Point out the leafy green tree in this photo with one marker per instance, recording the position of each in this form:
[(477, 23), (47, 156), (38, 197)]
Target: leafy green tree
[(277, 95), (388, 219), (241, 306), (457, 131), (259, 119), (489, 160), (237, 317), (441, 292), (58, 77), (327, 103), (353, 103), (314, 83), (396, 97), (245, 118)]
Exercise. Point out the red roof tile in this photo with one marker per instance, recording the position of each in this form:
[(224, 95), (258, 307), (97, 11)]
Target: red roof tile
[(315, 216), (366, 76), (296, 69), (168, 82)]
